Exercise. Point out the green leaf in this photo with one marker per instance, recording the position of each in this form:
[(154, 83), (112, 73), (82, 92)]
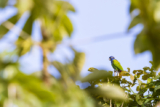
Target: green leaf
[(123, 80), (3, 31), (147, 100), (28, 25), (3, 3), (131, 77), (99, 74), (149, 80), (137, 88), (92, 69), (57, 35), (24, 6), (128, 70), (145, 77), (67, 25), (124, 73), (142, 43), (146, 68), (139, 99), (134, 4), (156, 88), (136, 20), (139, 81), (68, 5)]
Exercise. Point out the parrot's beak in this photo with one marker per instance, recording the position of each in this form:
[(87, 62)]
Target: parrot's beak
[(109, 59)]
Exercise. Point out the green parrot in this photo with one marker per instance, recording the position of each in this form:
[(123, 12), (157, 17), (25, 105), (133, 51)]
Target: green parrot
[(116, 65)]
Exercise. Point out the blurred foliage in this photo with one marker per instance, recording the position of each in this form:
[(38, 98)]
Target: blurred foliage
[(52, 15), (41, 89), (19, 89), (147, 13)]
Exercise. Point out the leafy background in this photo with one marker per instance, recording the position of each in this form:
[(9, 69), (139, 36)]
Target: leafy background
[(51, 21)]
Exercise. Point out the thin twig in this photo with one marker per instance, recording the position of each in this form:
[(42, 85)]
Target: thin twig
[(110, 99), (10, 25)]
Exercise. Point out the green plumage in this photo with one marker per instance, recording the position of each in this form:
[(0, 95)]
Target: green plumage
[(116, 65)]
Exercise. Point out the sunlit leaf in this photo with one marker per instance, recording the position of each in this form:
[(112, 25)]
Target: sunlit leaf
[(67, 24), (23, 6), (149, 80), (109, 91)]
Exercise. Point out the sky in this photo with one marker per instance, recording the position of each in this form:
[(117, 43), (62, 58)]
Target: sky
[(92, 19)]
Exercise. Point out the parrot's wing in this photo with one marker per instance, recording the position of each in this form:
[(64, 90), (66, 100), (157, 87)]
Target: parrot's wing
[(117, 65)]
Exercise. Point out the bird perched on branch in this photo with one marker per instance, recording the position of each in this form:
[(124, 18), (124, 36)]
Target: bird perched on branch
[(116, 65)]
